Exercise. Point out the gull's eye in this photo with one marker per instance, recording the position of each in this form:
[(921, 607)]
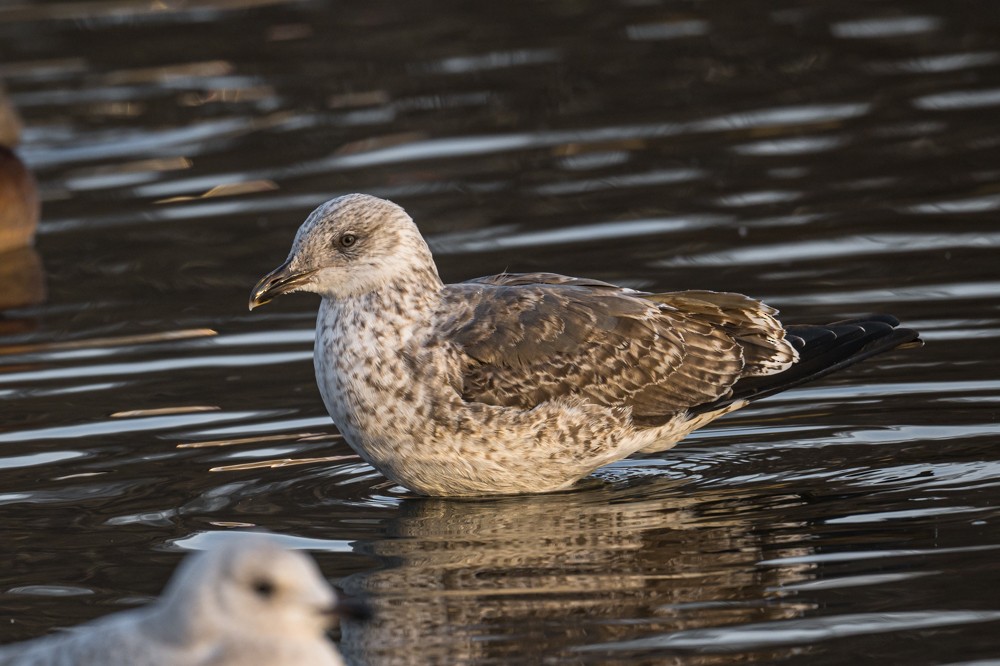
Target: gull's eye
[(263, 588), (347, 240)]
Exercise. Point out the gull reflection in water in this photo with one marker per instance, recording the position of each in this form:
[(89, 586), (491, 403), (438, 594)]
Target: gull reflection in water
[(494, 581)]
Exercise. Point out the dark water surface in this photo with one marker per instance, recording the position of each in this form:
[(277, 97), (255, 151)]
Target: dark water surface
[(832, 158)]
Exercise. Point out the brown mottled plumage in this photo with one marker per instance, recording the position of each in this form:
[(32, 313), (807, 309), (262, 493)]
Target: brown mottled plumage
[(526, 383), (560, 337)]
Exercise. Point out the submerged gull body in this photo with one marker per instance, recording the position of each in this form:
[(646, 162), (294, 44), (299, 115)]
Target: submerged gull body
[(248, 602), (519, 383)]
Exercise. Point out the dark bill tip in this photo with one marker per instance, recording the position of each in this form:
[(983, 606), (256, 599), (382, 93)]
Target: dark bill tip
[(348, 608), (279, 281)]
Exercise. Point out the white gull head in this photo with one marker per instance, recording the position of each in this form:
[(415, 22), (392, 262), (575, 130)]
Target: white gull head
[(246, 601), (251, 583), (350, 246)]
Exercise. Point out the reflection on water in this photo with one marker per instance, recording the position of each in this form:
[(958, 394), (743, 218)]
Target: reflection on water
[(505, 574), (833, 160)]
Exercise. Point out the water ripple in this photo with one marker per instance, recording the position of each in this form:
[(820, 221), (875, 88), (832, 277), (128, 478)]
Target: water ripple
[(118, 426), (494, 239), (765, 253), (161, 365), (878, 28), (799, 631), (959, 99)]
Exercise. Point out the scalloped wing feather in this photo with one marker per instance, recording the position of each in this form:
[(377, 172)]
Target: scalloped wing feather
[(529, 338)]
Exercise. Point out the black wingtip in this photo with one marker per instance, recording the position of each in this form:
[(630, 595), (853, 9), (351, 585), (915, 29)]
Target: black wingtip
[(824, 350)]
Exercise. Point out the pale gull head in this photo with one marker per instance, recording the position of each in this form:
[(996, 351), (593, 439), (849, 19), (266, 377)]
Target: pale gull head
[(246, 601), (252, 584), (350, 246)]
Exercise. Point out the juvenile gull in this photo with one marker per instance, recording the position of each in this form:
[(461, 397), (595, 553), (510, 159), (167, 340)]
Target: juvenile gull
[(247, 602), (518, 383)]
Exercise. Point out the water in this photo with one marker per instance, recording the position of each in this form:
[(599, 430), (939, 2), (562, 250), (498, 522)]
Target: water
[(830, 158)]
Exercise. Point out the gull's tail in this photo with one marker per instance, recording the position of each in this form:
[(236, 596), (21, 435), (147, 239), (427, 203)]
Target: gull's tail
[(822, 350)]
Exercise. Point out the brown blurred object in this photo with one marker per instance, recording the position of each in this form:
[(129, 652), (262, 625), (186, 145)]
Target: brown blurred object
[(10, 123), (19, 206), (18, 202), (22, 278)]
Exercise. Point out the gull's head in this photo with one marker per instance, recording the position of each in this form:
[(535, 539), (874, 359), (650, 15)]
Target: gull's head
[(349, 246), (251, 584)]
